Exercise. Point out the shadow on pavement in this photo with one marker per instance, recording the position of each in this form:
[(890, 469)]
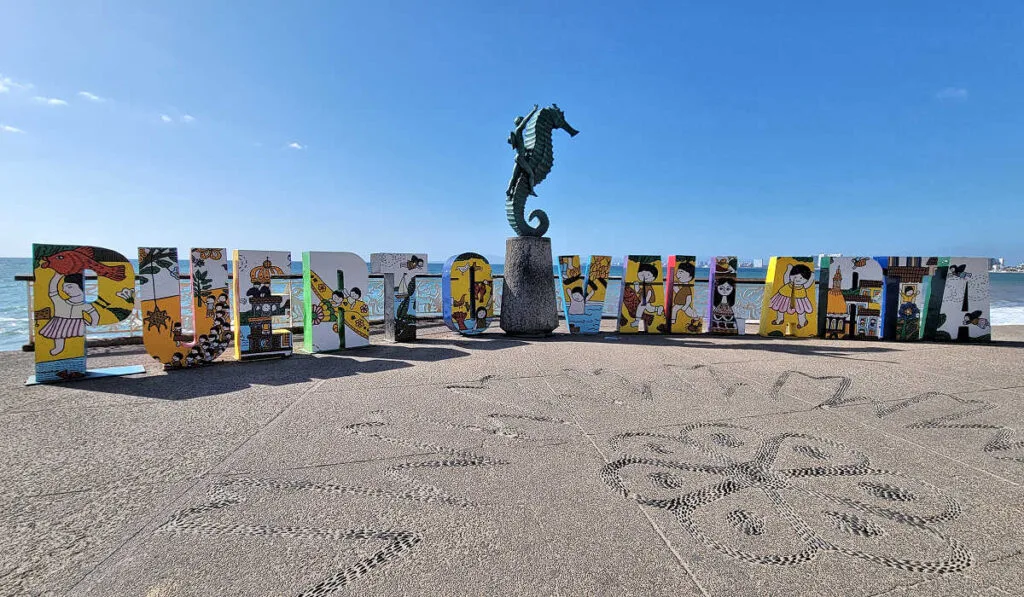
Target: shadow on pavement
[(232, 376), (483, 342), (783, 345)]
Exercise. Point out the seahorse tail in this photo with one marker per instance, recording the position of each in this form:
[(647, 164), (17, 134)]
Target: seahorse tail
[(515, 209), (517, 219), (542, 219)]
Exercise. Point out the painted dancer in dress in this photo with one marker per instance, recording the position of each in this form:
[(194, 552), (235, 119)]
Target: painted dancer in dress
[(68, 314), (792, 297), (723, 319)]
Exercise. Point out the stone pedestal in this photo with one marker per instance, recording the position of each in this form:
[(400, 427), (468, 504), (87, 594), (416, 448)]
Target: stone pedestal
[(399, 315), (528, 305), (390, 325)]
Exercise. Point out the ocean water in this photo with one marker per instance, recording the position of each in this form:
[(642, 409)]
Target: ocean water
[(1007, 299)]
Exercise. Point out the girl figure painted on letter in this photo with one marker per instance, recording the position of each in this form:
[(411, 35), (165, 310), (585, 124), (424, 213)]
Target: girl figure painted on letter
[(723, 319), (792, 297), (68, 313)]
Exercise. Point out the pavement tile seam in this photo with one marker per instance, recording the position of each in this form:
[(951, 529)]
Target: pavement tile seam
[(998, 443), (102, 488), (941, 376), (191, 520), (65, 406), (760, 477), (589, 437), (427, 384), (552, 552), (645, 514), (990, 589), (903, 587), (936, 453), (321, 466), (381, 558), (51, 494), (945, 376), (152, 523)]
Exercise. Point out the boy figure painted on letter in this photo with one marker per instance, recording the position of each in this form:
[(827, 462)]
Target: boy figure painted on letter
[(682, 300), (646, 274), (578, 302)]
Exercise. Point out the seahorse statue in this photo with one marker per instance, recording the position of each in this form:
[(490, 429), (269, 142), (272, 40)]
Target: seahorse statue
[(534, 158)]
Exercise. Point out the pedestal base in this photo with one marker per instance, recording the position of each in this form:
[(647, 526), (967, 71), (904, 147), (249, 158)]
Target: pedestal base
[(92, 374), (528, 305)]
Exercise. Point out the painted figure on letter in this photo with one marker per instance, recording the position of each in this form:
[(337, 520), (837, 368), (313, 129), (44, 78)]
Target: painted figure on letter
[(792, 297), (723, 319), (69, 314), (640, 297)]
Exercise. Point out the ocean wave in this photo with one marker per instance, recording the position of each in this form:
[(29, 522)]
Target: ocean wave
[(1013, 315)]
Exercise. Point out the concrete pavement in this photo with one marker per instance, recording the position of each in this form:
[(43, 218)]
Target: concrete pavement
[(573, 465)]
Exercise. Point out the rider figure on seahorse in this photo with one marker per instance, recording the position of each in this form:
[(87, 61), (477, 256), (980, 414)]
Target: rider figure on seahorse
[(515, 139)]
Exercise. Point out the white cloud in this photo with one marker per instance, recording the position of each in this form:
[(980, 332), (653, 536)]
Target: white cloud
[(188, 118), (952, 94), (296, 145), (50, 101), (92, 97), (7, 83), (9, 129), (166, 118)]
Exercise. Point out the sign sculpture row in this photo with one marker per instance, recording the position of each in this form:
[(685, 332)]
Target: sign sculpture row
[(896, 298)]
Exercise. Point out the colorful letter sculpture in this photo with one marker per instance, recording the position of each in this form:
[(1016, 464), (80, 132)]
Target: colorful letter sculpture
[(335, 315), (789, 298), (959, 300), (907, 284), (62, 314), (160, 306), (467, 293), (643, 292), (722, 296), (399, 271), (683, 317), (583, 292), (254, 304), (854, 300)]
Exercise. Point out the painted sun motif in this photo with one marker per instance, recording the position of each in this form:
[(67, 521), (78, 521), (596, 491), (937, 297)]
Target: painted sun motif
[(157, 318)]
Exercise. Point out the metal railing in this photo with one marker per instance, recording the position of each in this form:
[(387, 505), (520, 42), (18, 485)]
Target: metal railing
[(428, 302)]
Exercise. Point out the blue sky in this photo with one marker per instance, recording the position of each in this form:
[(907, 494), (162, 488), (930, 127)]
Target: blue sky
[(749, 128)]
